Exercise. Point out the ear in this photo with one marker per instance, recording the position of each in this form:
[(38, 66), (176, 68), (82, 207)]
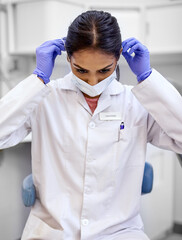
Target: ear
[(68, 59), (121, 49)]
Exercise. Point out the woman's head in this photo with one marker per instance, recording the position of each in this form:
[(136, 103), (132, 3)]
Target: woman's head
[(95, 30), (93, 45)]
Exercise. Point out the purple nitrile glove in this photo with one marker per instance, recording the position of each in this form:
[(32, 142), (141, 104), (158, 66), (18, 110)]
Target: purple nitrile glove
[(140, 62), (45, 58)]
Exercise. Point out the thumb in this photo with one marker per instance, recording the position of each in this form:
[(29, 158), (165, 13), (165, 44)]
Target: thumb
[(127, 56)]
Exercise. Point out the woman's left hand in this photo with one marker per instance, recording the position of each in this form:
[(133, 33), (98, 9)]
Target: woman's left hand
[(140, 62)]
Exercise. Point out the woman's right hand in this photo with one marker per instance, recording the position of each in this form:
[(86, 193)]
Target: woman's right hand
[(45, 58)]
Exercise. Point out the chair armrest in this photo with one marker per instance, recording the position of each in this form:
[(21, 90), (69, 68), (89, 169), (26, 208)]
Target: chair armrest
[(28, 191)]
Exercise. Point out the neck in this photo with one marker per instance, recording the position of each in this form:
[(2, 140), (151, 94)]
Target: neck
[(87, 96)]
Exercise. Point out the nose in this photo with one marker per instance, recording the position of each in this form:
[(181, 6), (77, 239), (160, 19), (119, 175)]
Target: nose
[(93, 80)]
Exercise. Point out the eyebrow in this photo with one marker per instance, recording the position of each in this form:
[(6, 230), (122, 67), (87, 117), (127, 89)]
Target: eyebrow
[(88, 70)]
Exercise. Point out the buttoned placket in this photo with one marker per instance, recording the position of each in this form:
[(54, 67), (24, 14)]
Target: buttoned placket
[(85, 218), (103, 103)]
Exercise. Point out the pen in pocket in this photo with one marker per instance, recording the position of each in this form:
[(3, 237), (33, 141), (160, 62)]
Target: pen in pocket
[(121, 127)]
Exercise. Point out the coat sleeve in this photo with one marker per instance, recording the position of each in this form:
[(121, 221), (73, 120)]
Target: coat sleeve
[(164, 105), (16, 108)]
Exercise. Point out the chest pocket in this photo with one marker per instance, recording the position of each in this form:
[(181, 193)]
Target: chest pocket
[(130, 133), (130, 146)]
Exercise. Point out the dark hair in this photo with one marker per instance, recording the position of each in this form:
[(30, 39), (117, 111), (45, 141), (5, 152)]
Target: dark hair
[(94, 29)]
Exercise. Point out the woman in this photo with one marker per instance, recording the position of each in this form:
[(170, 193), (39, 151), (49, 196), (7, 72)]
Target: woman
[(89, 132)]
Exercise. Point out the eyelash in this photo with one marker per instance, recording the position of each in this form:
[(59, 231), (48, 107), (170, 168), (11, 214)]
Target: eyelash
[(82, 71), (104, 71)]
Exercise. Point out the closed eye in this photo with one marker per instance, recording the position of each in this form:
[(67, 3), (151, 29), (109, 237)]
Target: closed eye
[(82, 71), (103, 71)]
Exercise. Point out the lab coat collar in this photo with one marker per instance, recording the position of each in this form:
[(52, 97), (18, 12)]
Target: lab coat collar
[(67, 84), (114, 87), (104, 102)]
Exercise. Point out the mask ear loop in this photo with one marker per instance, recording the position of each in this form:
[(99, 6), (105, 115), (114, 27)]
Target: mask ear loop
[(118, 68), (117, 73)]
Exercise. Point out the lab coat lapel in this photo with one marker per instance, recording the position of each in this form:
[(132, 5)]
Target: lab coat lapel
[(103, 103), (105, 99), (67, 84), (82, 102)]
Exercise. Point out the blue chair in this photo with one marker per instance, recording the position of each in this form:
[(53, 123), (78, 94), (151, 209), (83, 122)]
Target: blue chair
[(148, 177), (29, 193)]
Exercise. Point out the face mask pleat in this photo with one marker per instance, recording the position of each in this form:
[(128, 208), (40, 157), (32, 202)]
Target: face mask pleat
[(95, 90)]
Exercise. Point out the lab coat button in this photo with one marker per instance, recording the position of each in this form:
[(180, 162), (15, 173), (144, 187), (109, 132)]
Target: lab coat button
[(91, 159), (92, 125), (85, 222), (87, 190)]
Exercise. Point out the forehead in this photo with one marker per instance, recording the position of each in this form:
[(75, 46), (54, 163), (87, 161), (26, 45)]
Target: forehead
[(90, 58)]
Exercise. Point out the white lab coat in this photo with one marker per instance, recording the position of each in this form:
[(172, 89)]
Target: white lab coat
[(87, 172)]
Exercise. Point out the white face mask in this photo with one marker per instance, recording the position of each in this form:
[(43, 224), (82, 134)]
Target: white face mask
[(95, 90)]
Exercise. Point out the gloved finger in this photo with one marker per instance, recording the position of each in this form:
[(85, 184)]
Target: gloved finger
[(57, 42), (55, 53), (127, 41), (130, 44), (127, 56), (60, 44), (62, 47), (64, 39), (50, 49), (138, 49), (54, 50)]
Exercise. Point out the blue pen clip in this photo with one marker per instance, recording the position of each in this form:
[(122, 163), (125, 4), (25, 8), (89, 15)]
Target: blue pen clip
[(122, 125)]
